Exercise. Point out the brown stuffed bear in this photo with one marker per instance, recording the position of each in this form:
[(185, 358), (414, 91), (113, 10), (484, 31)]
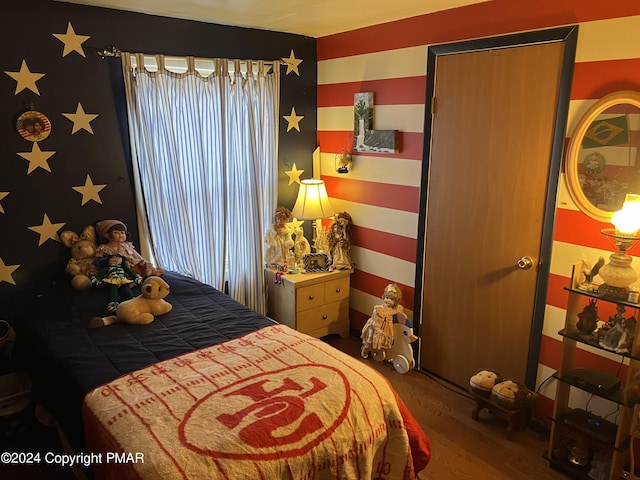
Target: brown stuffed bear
[(141, 309), (83, 248)]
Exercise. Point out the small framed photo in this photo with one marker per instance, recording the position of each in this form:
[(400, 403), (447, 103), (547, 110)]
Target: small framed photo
[(33, 126), (316, 262)]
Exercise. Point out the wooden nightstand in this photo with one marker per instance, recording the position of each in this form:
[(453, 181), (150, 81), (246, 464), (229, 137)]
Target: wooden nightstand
[(313, 303)]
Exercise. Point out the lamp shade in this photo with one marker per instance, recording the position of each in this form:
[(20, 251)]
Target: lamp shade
[(312, 202)]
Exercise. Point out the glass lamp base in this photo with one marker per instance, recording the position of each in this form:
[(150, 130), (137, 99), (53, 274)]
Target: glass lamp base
[(618, 272)]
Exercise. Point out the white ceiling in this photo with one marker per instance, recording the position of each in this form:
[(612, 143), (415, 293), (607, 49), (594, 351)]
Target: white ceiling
[(313, 18)]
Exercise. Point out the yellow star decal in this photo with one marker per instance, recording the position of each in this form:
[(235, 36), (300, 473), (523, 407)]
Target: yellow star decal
[(89, 191), (295, 223), (2, 195), (72, 41), (48, 230), (37, 158), (81, 120), (293, 119), (6, 271), (25, 78), (294, 174), (292, 63)]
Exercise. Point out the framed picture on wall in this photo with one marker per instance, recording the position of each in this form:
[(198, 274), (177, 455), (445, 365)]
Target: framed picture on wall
[(33, 126)]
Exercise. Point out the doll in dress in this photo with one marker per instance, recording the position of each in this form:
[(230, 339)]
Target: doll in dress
[(340, 238), (377, 333), (277, 239), (118, 277), (113, 237)]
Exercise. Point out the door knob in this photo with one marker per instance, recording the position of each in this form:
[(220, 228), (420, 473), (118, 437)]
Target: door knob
[(525, 263)]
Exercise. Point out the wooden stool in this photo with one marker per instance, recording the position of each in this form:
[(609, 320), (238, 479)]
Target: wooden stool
[(518, 418)]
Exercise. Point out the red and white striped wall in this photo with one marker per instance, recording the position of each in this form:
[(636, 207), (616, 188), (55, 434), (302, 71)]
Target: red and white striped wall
[(382, 191)]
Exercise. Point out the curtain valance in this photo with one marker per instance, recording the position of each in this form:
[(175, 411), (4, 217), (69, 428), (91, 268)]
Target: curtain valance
[(205, 67)]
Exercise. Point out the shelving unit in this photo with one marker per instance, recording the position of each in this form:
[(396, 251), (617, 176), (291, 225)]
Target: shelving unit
[(561, 432)]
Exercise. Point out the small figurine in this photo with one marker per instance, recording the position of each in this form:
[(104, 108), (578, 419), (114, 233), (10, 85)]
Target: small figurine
[(619, 332), (301, 245), (588, 319), (321, 242), (340, 238), (589, 274), (277, 239)]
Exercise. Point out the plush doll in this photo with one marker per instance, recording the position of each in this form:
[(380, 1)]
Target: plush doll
[(112, 235), (511, 394), (118, 277), (83, 248), (142, 309), (483, 381)]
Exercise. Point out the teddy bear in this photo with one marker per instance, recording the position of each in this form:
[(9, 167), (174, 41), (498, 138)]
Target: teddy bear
[(83, 248), (511, 394), (142, 309), (484, 380)]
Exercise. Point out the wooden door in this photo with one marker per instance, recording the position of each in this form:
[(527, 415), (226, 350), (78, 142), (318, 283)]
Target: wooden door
[(491, 147)]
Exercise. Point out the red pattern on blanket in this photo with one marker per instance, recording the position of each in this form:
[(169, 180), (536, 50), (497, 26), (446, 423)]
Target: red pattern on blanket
[(274, 404)]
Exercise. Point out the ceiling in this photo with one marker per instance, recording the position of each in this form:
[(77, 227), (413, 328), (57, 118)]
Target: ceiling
[(313, 18)]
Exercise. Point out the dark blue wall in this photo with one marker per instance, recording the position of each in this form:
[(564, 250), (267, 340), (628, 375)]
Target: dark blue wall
[(28, 28)]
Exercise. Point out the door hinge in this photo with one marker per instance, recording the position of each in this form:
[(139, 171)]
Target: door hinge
[(433, 105)]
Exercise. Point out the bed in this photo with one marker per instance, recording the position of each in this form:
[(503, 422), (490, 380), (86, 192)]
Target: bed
[(212, 390)]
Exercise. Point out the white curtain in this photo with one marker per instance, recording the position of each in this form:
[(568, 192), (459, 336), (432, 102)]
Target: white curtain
[(204, 144)]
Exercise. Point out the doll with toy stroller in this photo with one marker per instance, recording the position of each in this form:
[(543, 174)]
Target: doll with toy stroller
[(388, 333)]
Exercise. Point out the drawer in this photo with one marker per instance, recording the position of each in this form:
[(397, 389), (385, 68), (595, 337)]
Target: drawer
[(322, 317), (336, 290), (310, 297)]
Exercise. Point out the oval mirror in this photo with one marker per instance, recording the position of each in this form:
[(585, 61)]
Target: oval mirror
[(603, 162)]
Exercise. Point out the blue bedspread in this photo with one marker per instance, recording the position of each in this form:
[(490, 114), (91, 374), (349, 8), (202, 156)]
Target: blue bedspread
[(66, 359)]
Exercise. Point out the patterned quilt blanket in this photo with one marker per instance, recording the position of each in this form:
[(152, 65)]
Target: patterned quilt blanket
[(273, 404)]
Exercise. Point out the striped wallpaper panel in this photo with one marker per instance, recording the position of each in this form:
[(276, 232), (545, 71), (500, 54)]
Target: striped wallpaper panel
[(382, 191)]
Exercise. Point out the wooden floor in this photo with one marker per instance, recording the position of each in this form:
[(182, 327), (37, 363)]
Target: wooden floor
[(461, 447)]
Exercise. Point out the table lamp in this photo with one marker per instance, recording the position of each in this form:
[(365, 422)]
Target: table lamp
[(618, 274), (312, 204)]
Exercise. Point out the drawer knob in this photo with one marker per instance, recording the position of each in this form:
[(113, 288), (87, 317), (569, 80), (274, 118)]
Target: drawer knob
[(324, 317), (337, 290), (311, 297)]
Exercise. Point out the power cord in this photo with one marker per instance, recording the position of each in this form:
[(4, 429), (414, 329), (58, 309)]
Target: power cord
[(536, 424)]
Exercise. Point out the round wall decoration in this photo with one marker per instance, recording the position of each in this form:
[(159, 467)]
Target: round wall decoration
[(594, 163), (33, 126)]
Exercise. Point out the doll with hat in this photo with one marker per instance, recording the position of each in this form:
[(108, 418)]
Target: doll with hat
[(112, 236)]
